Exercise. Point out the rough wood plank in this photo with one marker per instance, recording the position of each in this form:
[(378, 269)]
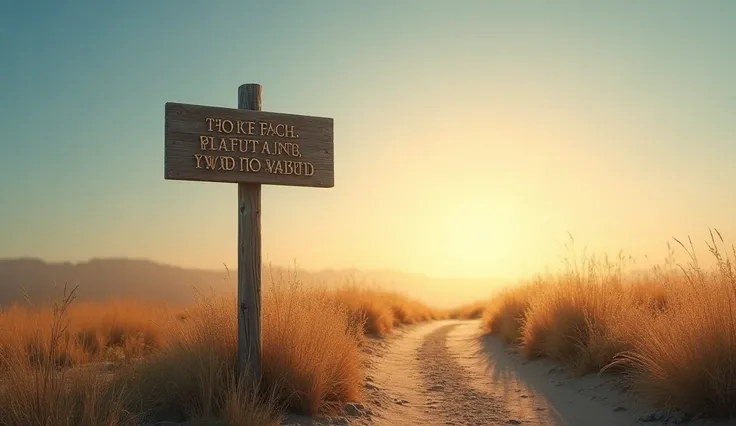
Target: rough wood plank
[(276, 149), (249, 259)]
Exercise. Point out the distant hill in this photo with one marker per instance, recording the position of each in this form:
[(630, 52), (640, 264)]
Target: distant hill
[(102, 279), (120, 278)]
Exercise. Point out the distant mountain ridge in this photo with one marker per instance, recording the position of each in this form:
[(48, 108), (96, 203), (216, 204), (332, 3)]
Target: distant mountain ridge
[(103, 279), (140, 279)]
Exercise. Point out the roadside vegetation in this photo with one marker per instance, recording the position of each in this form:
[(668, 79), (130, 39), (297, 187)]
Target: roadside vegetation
[(129, 363), (670, 334)]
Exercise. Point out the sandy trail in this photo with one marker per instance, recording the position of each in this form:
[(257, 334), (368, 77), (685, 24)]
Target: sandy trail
[(437, 370), (445, 373)]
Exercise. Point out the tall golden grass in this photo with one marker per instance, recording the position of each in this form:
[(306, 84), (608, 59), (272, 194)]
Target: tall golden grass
[(381, 311), (469, 311), (127, 363), (670, 334)]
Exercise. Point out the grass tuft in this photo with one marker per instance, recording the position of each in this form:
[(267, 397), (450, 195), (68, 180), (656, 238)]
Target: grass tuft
[(670, 334)]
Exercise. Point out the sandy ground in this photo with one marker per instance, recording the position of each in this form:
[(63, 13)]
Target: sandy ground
[(445, 373)]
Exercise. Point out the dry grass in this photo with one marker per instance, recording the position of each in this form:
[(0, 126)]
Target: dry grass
[(114, 331), (468, 312), (311, 350), (124, 363), (504, 314), (382, 311), (193, 375), (670, 334), (34, 391)]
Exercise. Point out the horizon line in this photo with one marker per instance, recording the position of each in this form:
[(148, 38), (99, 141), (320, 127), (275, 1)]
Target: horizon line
[(263, 265)]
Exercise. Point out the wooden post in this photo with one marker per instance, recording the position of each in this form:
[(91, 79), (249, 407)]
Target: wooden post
[(249, 259), (251, 148)]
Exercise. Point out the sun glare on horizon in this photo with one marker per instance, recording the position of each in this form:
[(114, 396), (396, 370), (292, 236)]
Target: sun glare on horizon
[(473, 238)]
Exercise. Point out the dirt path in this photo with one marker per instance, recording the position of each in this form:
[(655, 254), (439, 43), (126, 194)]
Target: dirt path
[(431, 374), (445, 373)]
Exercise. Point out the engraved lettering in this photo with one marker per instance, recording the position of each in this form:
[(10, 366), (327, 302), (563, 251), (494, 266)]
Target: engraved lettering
[(255, 147), (265, 149), (210, 161), (279, 148), (250, 165), (227, 124), (227, 163), (280, 130), (288, 167), (269, 165), (248, 145), (246, 127), (204, 141)]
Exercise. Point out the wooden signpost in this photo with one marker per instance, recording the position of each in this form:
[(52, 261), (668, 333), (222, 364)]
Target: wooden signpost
[(249, 147)]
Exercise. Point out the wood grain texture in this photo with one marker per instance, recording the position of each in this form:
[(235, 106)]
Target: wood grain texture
[(184, 124), (249, 259)]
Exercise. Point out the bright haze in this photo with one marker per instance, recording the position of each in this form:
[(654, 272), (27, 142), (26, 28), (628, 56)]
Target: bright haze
[(470, 137)]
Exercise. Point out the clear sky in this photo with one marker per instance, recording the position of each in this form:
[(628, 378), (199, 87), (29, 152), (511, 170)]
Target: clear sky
[(470, 136)]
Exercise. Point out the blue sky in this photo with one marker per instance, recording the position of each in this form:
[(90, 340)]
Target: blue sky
[(469, 136)]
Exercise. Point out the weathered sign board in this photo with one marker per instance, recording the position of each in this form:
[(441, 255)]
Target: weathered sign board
[(215, 144), (249, 147)]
